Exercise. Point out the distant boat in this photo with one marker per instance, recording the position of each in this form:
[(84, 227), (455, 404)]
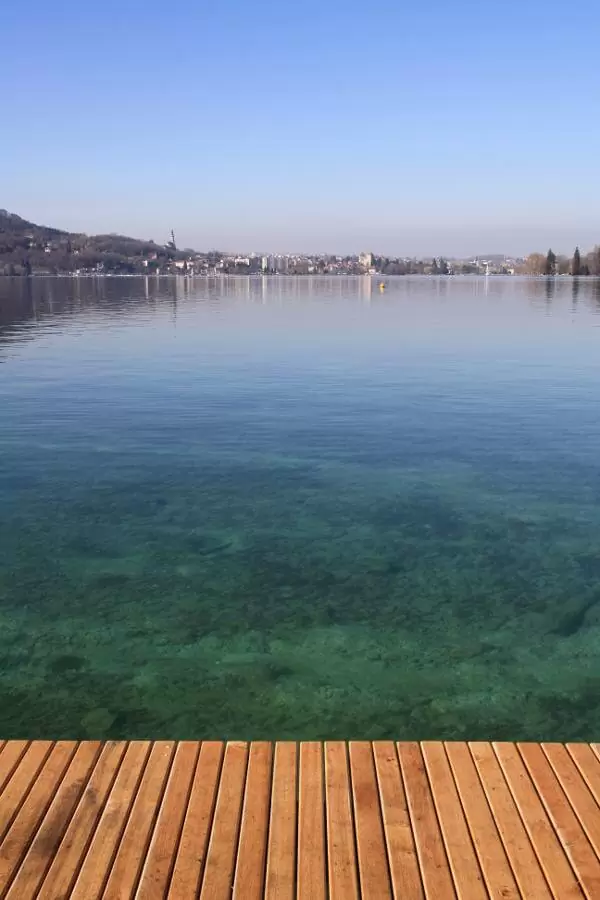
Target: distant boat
[(382, 286)]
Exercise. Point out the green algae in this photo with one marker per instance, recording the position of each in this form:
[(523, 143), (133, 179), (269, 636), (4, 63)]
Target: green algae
[(418, 614)]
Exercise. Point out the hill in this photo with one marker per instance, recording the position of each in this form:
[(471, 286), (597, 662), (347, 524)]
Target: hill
[(30, 249)]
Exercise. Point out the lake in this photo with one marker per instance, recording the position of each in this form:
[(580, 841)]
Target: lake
[(300, 508)]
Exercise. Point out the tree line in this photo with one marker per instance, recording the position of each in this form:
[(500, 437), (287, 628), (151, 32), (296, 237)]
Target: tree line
[(551, 264)]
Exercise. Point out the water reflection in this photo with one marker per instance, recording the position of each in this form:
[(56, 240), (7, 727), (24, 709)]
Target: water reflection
[(576, 287), (48, 302), (596, 290), (25, 300), (550, 291)]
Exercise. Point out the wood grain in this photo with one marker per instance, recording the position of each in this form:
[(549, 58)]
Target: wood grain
[(251, 858), (193, 844), (283, 828), (236, 821), (433, 861), (222, 849), (311, 824)]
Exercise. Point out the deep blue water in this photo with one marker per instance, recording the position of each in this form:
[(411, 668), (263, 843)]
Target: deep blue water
[(300, 508)]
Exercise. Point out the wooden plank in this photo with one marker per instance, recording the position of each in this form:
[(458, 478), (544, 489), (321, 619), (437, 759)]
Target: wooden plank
[(280, 881), (250, 868), (581, 800), (341, 847), (433, 862), (19, 784), (488, 846), (156, 872), (524, 862), (116, 820), (544, 840), (72, 849), (127, 865), (222, 848), (468, 881), (33, 810), (311, 824), (96, 865), (589, 766), (191, 855), (401, 851), (373, 866), (48, 836), (10, 757), (569, 830)]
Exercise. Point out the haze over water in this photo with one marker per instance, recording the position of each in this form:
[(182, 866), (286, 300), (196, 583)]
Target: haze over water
[(300, 508)]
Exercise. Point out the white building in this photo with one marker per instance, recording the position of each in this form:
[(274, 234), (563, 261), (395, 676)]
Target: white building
[(277, 264)]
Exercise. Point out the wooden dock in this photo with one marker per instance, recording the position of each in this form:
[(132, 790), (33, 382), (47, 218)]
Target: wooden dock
[(309, 820)]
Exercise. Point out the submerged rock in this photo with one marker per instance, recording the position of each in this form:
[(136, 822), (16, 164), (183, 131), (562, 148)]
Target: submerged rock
[(575, 619), (207, 544), (97, 722), (111, 580), (68, 662)]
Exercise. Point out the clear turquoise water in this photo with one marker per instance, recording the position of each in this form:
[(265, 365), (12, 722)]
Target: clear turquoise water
[(300, 508)]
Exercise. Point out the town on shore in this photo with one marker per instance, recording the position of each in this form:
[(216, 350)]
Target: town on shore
[(29, 249)]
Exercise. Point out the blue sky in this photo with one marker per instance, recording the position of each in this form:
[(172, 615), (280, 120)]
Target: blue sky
[(448, 128)]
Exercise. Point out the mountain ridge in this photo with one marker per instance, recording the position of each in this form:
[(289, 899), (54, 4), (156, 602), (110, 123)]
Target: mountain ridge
[(27, 248)]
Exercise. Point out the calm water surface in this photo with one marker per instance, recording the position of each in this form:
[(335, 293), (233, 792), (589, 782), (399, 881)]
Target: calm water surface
[(300, 508)]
